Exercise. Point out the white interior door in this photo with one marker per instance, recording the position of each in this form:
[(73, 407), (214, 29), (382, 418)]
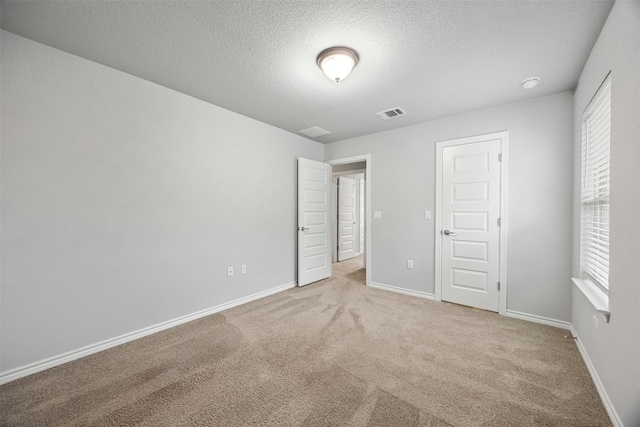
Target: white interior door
[(470, 262), (362, 216), (314, 227), (346, 218)]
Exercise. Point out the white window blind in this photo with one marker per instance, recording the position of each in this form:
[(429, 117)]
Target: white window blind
[(596, 131)]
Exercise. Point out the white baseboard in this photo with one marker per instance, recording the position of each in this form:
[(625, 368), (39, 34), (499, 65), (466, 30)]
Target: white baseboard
[(604, 396), (396, 289), (539, 319), (60, 359)]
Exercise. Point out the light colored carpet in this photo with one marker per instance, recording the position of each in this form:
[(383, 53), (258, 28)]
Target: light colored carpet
[(331, 353)]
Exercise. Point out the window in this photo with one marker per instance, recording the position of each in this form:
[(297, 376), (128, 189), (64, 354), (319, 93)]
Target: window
[(594, 235)]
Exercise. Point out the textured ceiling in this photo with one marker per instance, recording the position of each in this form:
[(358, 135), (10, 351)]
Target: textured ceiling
[(432, 58)]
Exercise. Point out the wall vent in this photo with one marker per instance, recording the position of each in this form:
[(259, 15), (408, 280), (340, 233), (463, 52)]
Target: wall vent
[(314, 131), (392, 113)]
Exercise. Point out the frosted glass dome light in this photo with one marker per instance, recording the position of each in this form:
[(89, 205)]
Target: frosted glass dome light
[(337, 62)]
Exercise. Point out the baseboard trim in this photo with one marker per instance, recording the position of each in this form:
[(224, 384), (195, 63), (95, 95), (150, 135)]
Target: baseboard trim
[(604, 396), (404, 291), (539, 319), (61, 359)]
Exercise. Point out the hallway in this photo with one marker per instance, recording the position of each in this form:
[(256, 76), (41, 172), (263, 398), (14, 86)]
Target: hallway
[(352, 269)]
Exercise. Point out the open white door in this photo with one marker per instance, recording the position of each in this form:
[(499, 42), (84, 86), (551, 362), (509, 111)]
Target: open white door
[(346, 218), (314, 227), (470, 215)]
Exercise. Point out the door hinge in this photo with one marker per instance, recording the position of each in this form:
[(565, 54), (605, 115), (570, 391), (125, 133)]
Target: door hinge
[(498, 285), (499, 157), (499, 222)]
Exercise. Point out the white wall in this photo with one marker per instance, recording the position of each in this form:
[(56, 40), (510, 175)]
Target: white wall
[(123, 203), (349, 167), (540, 199), (614, 348)]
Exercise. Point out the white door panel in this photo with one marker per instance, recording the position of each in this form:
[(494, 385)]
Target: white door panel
[(470, 264), (314, 227), (469, 251), (346, 218)]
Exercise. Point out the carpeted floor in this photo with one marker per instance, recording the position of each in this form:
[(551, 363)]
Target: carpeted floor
[(331, 353)]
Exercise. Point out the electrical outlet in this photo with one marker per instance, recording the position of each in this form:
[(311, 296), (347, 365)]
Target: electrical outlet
[(410, 263), (244, 268), (229, 271)]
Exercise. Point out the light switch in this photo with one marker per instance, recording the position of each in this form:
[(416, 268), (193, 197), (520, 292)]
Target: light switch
[(427, 214), (377, 215)]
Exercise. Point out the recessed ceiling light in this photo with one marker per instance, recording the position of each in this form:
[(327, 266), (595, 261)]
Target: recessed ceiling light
[(529, 83)]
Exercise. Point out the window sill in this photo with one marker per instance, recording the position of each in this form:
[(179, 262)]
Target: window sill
[(595, 295)]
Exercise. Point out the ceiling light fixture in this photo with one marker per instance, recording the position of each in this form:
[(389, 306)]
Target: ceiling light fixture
[(337, 62), (529, 83)]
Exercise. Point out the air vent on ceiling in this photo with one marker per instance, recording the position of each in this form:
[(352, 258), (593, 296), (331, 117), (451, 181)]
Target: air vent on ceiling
[(392, 113), (314, 131)]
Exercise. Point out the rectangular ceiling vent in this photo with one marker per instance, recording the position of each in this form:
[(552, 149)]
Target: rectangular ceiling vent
[(392, 113), (314, 131)]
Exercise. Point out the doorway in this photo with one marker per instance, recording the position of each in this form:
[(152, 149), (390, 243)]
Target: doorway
[(471, 221), (349, 212), (359, 170)]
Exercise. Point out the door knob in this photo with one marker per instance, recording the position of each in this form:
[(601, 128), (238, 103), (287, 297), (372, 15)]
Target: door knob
[(304, 228), (449, 233)]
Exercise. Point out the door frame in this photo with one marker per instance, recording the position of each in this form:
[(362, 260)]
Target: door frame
[(504, 138), (360, 203), (367, 184)]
